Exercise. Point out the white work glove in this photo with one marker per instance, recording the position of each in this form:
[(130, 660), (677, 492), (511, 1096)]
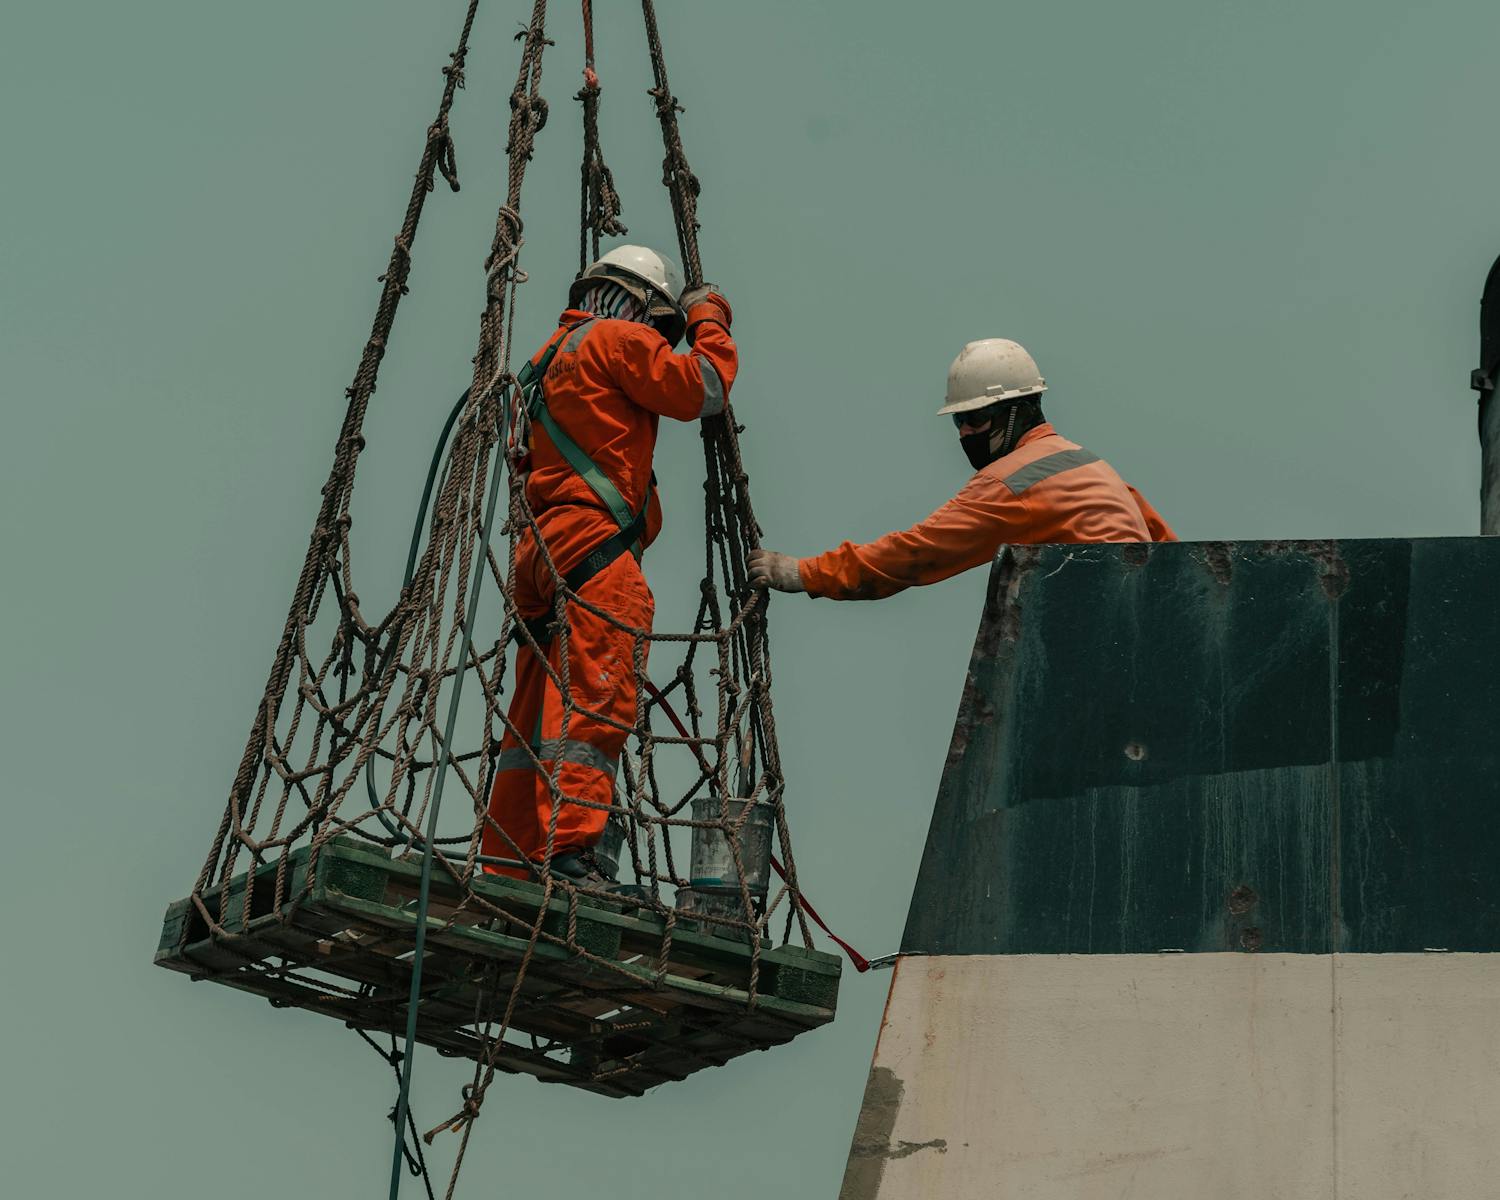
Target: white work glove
[(771, 570), (704, 303), (693, 296)]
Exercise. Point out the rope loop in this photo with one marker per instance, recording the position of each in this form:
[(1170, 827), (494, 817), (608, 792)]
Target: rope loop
[(444, 154)]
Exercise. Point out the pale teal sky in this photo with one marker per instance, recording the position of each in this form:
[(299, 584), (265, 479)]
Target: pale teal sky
[(1245, 242)]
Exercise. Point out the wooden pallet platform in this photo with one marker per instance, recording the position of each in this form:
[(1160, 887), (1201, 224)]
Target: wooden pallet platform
[(342, 946)]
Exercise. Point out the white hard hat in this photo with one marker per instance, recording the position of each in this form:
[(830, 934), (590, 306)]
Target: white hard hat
[(641, 265), (988, 372)]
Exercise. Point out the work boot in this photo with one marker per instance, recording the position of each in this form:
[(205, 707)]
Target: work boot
[(582, 868)]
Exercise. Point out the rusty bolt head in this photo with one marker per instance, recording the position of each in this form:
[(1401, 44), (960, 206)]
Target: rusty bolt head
[(1135, 751), (1251, 939), (1242, 899)]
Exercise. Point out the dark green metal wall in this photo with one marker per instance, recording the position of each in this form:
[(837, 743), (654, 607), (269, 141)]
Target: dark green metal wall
[(1276, 746)]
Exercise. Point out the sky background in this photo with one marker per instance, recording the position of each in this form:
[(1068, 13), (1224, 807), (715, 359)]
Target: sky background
[(1245, 243)]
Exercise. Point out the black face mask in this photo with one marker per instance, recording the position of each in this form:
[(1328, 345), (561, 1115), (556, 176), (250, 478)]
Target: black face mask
[(988, 444), (977, 447)]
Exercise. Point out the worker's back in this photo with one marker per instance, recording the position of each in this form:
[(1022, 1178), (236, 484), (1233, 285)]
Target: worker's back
[(1047, 489), (607, 386), (585, 397), (1066, 494)]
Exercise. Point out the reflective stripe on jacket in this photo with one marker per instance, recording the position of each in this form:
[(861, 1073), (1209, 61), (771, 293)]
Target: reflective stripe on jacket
[(609, 385), (1047, 489)]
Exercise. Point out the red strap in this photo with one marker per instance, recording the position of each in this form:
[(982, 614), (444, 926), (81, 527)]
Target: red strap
[(861, 963), (588, 37)]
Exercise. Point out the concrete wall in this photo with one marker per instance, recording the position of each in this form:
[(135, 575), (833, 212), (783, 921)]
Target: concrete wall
[(1278, 760), (1185, 1077)]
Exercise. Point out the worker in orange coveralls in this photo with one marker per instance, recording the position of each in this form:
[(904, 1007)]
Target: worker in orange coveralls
[(1030, 485), (611, 375)]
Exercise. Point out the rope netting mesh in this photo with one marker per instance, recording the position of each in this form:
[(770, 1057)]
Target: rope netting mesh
[(359, 731)]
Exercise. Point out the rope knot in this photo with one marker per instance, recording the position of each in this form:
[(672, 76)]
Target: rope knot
[(666, 103), (509, 216), (501, 263), (530, 111), (473, 1098)]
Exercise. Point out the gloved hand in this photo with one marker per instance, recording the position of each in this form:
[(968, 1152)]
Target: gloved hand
[(771, 570), (705, 303)]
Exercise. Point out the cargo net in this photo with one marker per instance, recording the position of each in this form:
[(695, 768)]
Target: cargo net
[(361, 730)]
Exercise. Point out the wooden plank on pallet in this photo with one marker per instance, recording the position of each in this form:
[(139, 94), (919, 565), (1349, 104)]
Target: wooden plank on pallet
[(336, 940), (781, 1018), (693, 953)]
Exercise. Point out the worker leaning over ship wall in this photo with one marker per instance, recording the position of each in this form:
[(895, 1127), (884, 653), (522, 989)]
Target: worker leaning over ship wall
[(1030, 485), (608, 374)]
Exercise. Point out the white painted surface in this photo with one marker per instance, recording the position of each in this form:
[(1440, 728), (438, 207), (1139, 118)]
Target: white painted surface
[(1185, 1077), (1418, 1038)]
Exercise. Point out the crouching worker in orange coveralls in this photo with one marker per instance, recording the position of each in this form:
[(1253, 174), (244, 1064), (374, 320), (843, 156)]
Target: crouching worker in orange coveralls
[(608, 375), (1030, 485)]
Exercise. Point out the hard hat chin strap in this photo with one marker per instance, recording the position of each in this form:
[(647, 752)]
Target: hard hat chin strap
[(1007, 443)]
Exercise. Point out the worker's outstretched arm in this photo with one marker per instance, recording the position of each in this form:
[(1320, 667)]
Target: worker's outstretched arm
[(964, 533), (682, 386), (1159, 529)]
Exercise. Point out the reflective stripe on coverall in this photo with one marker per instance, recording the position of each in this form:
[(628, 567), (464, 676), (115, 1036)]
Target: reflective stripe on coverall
[(607, 387), (1047, 489)]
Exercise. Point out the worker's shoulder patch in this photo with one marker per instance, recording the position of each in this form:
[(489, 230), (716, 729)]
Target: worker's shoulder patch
[(575, 338), (565, 362), (1044, 468)]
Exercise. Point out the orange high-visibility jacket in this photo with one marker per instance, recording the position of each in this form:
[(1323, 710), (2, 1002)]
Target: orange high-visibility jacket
[(608, 387), (1047, 489)]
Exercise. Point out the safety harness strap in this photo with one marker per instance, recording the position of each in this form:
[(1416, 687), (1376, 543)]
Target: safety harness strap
[(536, 401), (627, 538), (593, 562), (622, 542), (599, 483)]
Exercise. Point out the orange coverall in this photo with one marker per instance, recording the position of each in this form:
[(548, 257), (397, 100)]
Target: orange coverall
[(607, 387), (1047, 489)]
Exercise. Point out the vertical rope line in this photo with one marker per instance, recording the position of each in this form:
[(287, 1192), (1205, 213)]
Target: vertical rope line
[(326, 528), (528, 115), (599, 206), (741, 532), (680, 181), (441, 773)]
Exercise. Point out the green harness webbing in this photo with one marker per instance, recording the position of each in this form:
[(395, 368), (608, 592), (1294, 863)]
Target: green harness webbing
[(632, 525), (530, 378)]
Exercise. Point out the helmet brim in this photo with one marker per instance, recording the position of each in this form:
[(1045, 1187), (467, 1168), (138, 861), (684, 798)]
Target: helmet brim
[(974, 403)]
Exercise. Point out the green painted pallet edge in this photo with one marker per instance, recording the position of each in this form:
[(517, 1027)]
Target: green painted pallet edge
[(793, 1011), (347, 870), (500, 888)]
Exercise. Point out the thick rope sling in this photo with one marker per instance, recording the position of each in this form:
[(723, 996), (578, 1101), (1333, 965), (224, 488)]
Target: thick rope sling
[(351, 696)]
